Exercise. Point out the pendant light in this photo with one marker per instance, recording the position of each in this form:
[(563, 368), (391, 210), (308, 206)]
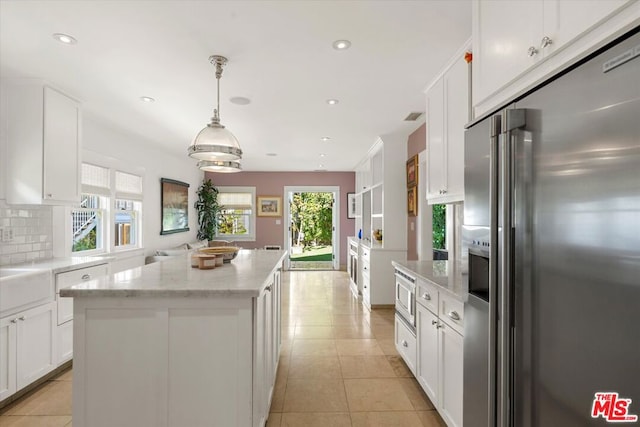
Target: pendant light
[(215, 147)]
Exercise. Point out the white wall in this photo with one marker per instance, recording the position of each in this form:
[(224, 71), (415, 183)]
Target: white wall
[(103, 140)]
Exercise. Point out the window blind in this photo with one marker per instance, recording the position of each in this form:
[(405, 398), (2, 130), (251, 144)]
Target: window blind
[(95, 179), (236, 200), (128, 186)]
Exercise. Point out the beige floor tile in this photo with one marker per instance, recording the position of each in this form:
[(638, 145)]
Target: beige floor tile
[(318, 395), (388, 346), (279, 389), (431, 419), (376, 395), (314, 332), (350, 319), (274, 420), (326, 419), (383, 330), (366, 367), (315, 367), (314, 348), (385, 419), (314, 320), (352, 332), (358, 347), (285, 347), (288, 332), (416, 395), (399, 367), (34, 421), (52, 398)]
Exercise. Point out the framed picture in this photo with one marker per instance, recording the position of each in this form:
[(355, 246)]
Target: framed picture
[(351, 205), (269, 206), (412, 201), (412, 171), (175, 206)]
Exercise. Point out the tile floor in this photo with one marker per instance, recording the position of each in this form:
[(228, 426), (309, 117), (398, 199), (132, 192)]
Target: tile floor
[(338, 367)]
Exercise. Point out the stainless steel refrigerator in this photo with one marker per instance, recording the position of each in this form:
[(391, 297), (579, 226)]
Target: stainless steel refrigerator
[(552, 229)]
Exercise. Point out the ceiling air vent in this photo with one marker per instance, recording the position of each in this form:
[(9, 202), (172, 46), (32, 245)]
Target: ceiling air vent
[(412, 117)]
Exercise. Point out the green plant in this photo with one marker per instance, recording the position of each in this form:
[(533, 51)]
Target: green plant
[(439, 226), (208, 210)]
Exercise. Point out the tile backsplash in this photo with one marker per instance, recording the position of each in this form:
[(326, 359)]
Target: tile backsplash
[(27, 233)]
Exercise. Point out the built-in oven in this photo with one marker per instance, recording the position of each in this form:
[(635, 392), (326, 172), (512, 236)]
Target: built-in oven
[(406, 298)]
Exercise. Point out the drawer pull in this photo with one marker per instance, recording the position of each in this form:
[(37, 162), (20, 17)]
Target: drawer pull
[(454, 315), (439, 326), (426, 296), (405, 343), (86, 277)]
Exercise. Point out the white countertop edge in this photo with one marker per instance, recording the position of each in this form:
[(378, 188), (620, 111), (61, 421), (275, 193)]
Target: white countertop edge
[(420, 269)]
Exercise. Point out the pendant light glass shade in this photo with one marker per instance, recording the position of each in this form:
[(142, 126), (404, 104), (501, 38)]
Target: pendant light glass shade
[(217, 149), (219, 166), (215, 142)]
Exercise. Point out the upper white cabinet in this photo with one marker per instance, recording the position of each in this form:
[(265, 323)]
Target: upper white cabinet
[(42, 131), (520, 43), (447, 113)]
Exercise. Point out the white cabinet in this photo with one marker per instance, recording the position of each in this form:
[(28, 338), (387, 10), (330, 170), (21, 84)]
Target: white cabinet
[(406, 343), (447, 113), (42, 132), (64, 321), (511, 39), (27, 347), (440, 351)]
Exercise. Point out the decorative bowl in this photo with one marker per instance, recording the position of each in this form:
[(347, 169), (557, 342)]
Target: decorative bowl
[(228, 252)]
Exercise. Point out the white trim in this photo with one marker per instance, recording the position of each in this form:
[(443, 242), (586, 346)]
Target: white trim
[(336, 217)]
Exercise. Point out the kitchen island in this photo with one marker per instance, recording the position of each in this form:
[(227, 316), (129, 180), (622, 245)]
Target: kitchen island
[(170, 345)]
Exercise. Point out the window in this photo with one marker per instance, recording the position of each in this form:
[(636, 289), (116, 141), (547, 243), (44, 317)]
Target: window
[(127, 210), (87, 221), (236, 220), (108, 197)]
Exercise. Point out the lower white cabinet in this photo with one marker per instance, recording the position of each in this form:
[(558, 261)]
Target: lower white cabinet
[(27, 347), (440, 360), (406, 343), (64, 328)]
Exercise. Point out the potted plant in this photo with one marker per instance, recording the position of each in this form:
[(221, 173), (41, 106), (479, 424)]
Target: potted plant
[(208, 210)]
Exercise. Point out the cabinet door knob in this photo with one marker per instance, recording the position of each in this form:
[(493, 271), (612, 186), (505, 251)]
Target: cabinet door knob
[(86, 277), (439, 326), (49, 195), (21, 318), (405, 344), (454, 315), (434, 322), (268, 288), (14, 320), (546, 41), (532, 51), (426, 296)]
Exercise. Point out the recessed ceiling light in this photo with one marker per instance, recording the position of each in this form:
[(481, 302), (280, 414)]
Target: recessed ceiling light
[(321, 166), (65, 38), (272, 154), (325, 138), (341, 44), (322, 155), (147, 99), (332, 101), (240, 100)]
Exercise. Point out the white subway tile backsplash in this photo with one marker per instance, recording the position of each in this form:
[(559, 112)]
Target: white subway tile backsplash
[(32, 228)]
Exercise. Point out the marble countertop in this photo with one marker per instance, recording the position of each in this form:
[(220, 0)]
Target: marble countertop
[(445, 274), (246, 275), (55, 265)]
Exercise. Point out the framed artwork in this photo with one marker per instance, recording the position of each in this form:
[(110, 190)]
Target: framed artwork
[(412, 171), (351, 205), (269, 206), (174, 199), (412, 201)]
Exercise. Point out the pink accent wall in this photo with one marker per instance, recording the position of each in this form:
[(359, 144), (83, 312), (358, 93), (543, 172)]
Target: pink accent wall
[(416, 143), (273, 183)]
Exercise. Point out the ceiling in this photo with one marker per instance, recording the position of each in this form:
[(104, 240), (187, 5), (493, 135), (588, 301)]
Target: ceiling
[(280, 57)]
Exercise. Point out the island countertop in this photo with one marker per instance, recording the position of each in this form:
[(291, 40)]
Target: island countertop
[(246, 275)]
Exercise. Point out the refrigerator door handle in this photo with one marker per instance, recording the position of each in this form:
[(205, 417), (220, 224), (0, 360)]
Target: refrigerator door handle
[(513, 119), (493, 268)]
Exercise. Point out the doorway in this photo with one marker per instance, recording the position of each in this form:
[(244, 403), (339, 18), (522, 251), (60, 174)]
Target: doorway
[(312, 227)]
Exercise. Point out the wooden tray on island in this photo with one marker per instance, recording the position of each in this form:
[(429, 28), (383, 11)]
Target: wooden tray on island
[(228, 252)]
